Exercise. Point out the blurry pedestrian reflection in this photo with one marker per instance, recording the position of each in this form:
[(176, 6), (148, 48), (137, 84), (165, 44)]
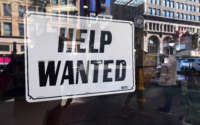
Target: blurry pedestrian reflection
[(168, 82)]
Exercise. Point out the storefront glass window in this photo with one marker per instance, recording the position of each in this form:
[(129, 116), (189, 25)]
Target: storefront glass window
[(59, 58)]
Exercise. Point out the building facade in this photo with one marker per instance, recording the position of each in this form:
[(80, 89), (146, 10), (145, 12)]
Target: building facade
[(164, 22), (12, 19), (168, 21)]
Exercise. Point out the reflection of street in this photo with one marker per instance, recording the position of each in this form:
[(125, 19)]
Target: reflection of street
[(103, 110), (191, 97), (190, 78), (109, 110)]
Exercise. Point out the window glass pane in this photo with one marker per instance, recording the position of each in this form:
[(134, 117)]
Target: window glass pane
[(168, 3), (177, 15), (41, 9), (167, 14), (172, 4), (177, 5), (55, 12), (164, 2), (63, 2), (149, 1), (31, 9), (7, 9), (158, 2), (181, 5), (21, 11), (181, 16), (172, 14), (150, 11), (4, 48), (7, 29), (21, 29), (152, 46), (54, 1), (189, 18), (154, 11), (185, 7), (64, 13), (184, 16), (73, 13), (73, 2), (158, 12), (22, 48), (153, 2), (63, 31), (194, 18), (190, 7), (164, 13)]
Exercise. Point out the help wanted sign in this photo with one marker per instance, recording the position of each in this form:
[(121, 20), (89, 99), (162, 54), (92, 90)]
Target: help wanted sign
[(70, 57)]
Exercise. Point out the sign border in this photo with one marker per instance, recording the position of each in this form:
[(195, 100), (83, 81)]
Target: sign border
[(30, 98)]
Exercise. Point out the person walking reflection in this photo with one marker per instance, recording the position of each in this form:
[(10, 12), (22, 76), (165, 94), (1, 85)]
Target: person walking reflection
[(168, 81)]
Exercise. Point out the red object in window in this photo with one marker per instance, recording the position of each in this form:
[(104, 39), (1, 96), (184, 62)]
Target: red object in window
[(5, 60), (4, 79)]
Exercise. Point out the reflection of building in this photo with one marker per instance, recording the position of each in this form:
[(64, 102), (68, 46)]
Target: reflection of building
[(95, 7), (170, 21), (65, 7), (164, 21), (12, 19)]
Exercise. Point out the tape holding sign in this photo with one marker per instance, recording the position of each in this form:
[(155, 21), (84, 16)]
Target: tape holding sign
[(70, 57)]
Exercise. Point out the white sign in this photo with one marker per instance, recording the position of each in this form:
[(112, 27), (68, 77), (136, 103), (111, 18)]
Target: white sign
[(70, 57)]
